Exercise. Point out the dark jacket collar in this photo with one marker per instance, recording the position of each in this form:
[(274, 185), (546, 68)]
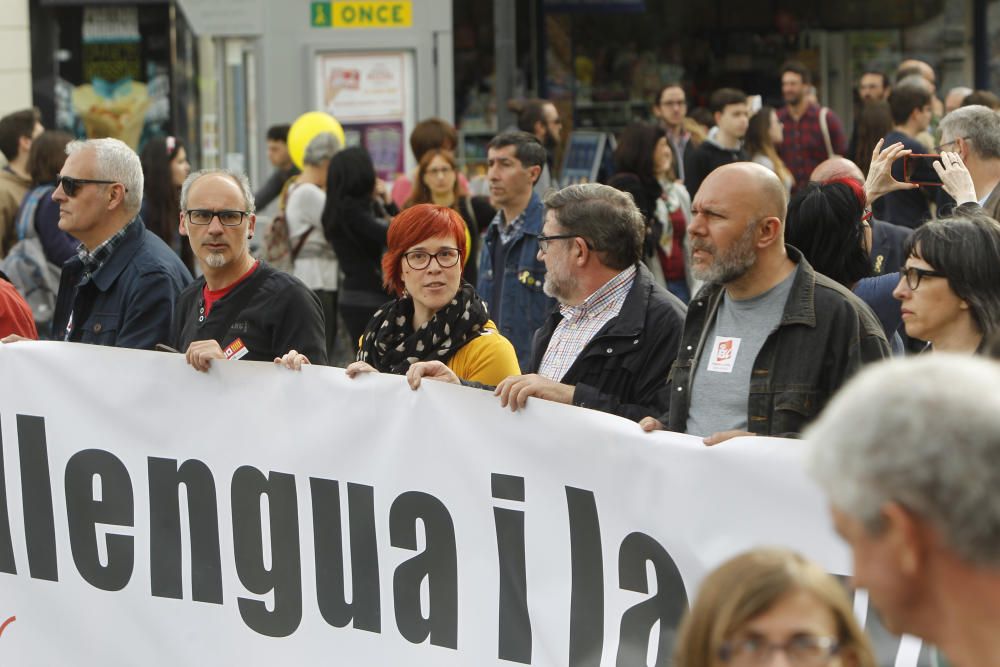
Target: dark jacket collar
[(106, 276)]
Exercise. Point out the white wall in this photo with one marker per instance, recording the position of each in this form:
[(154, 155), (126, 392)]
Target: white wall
[(15, 57)]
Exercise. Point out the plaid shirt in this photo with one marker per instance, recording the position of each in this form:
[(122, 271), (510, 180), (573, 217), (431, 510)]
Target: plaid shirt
[(581, 323), (508, 231), (803, 148), (95, 259)]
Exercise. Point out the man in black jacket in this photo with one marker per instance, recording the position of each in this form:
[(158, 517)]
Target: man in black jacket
[(241, 307), (610, 343), (724, 143)]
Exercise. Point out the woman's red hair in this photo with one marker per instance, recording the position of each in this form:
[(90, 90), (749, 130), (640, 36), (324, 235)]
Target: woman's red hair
[(412, 227)]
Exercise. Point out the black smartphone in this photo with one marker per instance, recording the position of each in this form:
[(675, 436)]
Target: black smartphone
[(919, 168)]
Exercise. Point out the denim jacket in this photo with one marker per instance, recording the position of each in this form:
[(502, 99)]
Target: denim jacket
[(523, 305), (128, 301), (825, 335)]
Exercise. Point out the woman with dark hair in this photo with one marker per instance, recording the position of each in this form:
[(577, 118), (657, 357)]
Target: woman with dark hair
[(828, 223), (764, 134), (45, 161), (874, 122), (950, 284), (437, 182), (355, 222), (164, 168), (435, 315), (769, 600), (645, 170)]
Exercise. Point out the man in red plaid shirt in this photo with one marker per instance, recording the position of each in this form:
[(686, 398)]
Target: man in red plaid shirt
[(804, 145)]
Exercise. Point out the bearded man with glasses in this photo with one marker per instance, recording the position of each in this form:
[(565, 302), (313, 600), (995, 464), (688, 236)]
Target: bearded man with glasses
[(121, 288), (240, 308)]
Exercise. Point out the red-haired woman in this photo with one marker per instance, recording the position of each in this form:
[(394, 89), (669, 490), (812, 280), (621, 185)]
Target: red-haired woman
[(437, 182), (436, 315)]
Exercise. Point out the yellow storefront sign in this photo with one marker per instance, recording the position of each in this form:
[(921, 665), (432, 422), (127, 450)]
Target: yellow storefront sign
[(354, 14)]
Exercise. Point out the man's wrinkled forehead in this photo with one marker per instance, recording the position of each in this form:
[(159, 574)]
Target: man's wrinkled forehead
[(214, 188)]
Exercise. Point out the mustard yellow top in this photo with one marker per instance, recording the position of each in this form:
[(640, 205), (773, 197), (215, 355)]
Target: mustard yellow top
[(486, 359)]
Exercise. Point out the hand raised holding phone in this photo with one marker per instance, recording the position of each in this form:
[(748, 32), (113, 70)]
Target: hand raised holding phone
[(880, 180), (955, 177)]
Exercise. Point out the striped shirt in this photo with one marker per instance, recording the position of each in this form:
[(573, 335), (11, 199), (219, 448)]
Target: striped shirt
[(581, 323)]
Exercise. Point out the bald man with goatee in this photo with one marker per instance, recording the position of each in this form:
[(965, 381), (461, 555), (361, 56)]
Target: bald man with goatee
[(767, 341)]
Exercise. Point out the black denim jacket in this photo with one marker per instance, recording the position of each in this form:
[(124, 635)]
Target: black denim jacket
[(825, 335)]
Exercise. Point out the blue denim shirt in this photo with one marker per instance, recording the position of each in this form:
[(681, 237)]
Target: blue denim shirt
[(523, 305), (128, 301)]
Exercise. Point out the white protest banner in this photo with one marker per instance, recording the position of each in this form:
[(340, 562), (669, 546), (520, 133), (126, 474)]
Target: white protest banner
[(151, 514)]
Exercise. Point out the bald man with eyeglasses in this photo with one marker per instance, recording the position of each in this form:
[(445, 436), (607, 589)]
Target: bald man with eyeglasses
[(241, 308), (121, 287)]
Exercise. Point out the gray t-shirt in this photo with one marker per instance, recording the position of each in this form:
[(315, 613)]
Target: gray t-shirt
[(720, 388)]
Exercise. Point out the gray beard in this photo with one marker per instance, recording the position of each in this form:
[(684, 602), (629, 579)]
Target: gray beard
[(215, 260), (729, 266)]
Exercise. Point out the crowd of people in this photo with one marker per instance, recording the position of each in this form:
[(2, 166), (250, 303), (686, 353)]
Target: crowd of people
[(734, 280)]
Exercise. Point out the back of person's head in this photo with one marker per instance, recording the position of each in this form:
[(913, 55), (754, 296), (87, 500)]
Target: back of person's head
[(751, 584), (607, 218), (906, 96), (237, 177), (966, 248), (351, 175), (430, 134), (634, 153), (48, 153), (115, 161), (920, 432), (723, 97), (758, 136), (15, 126), (413, 226), (796, 67), (837, 167), (982, 97), (529, 112), (321, 148), (824, 222), (978, 125), (278, 132), (527, 149), (874, 123)]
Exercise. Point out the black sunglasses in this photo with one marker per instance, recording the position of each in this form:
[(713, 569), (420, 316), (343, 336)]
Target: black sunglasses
[(70, 185)]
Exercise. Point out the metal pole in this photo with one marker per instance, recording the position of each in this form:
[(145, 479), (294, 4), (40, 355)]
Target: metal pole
[(505, 57)]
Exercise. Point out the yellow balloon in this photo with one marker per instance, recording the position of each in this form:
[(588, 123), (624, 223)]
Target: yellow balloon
[(305, 128)]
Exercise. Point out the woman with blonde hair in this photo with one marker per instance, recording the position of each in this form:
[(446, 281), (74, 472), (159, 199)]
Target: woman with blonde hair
[(770, 600)]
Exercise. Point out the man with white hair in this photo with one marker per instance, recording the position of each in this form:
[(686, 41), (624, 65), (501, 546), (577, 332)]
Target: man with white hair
[(974, 133), (908, 454), (121, 288), (241, 307)]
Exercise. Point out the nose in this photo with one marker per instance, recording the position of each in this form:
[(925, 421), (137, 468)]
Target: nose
[(215, 226), (59, 195), (902, 290)]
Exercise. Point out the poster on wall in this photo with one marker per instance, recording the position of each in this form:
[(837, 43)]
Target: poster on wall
[(372, 94), (122, 86)]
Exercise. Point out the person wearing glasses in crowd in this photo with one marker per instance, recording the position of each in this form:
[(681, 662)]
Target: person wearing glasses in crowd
[(610, 343), (769, 601), (973, 133), (240, 308), (121, 287), (436, 315)]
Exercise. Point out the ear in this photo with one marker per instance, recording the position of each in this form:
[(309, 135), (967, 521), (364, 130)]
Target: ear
[(584, 253), (770, 230), (23, 145), (536, 172), (252, 225), (907, 537), (116, 196), (182, 224), (717, 115)]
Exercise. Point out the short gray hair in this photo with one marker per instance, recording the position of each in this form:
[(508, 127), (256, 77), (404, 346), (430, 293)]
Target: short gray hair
[(608, 218), (115, 161), (978, 125), (322, 148), (238, 177), (923, 432)]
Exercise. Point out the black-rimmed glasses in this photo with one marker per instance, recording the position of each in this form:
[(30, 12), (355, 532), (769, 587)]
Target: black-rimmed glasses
[(421, 259), (70, 185), (543, 241), (203, 216), (937, 149), (913, 275), (802, 650)]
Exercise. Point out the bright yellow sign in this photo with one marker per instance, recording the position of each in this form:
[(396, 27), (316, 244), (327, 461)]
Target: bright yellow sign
[(359, 14)]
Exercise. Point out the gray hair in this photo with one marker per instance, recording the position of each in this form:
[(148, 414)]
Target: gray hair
[(978, 125), (238, 177), (922, 432), (115, 161), (608, 218), (322, 148)]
